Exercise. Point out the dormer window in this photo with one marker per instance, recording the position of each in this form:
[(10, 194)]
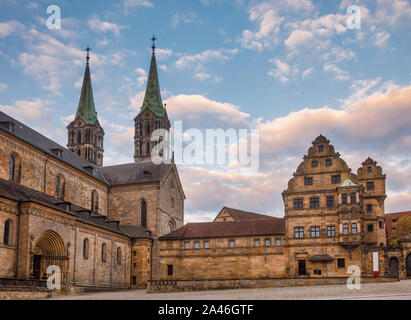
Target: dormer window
[(147, 174), (9, 125), (57, 151)]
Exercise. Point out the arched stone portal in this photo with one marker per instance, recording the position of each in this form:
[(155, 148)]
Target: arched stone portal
[(49, 250), (394, 268)]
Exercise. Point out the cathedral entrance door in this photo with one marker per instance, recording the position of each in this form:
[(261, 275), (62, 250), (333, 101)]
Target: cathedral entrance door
[(393, 268), (408, 265), (36, 266), (301, 268)]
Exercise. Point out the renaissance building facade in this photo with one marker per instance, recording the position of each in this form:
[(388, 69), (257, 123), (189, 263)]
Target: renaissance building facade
[(61, 206), (333, 219)]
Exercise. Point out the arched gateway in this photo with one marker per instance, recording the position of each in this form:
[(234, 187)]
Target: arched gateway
[(393, 268), (49, 250), (408, 265)]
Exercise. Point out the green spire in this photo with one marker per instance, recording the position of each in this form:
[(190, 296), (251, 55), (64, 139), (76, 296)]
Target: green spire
[(152, 99), (86, 109)]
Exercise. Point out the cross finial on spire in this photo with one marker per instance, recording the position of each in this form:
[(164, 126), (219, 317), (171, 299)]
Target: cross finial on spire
[(154, 45), (88, 56)]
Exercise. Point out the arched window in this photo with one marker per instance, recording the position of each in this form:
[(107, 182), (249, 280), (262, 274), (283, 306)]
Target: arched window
[(148, 128), (144, 214), (79, 152), (172, 202), (147, 148), (60, 186), (94, 201), (85, 248), (169, 228), (6, 236), (79, 137), (12, 167), (103, 252), (118, 255)]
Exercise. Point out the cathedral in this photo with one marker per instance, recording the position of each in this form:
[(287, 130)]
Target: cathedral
[(122, 226), (61, 206)]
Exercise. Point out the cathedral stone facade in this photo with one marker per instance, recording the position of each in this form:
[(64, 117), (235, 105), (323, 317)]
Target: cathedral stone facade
[(62, 207)]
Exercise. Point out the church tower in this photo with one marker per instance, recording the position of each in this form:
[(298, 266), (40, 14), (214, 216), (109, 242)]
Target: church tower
[(85, 135), (152, 115)]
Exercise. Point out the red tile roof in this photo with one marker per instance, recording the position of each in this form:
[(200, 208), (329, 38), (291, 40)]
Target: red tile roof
[(240, 215), (228, 229), (389, 223)]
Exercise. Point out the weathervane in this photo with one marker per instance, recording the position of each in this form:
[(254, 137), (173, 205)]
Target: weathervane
[(154, 45), (88, 56)]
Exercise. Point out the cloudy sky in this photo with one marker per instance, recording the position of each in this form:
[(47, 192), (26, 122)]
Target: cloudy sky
[(290, 68)]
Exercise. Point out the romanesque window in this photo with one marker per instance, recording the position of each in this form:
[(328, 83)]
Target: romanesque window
[(231, 243), (344, 198), (256, 243), (299, 232), (336, 179), (85, 248), (298, 203), (345, 228), (144, 214), (341, 263), (103, 252), (370, 185), (314, 202), (267, 242), (94, 201), (354, 228), (314, 163), (308, 181), (330, 201), (353, 197), (315, 232), (206, 244), (369, 207), (196, 245), (119, 256), (331, 231), (328, 162), (60, 187), (14, 168), (6, 235)]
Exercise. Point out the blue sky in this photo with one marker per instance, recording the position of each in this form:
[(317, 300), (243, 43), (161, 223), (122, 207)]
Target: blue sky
[(290, 68)]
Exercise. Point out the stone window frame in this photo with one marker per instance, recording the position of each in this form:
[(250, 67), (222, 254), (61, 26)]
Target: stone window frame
[(256, 243), (345, 229), (308, 181), (370, 227), (298, 232), (315, 231), (336, 178), (369, 169), (94, 200), (278, 242), (344, 198), (354, 226), (370, 186), (328, 162), (369, 207), (119, 256), (206, 244), (143, 213), (330, 204), (103, 252), (340, 262), (298, 203), (314, 202), (60, 187), (231, 243), (267, 242), (321, 148), (186, 245), (331, 231), (353, 197), (314, 164), (170, 270), (197, 245), (15, 167)]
